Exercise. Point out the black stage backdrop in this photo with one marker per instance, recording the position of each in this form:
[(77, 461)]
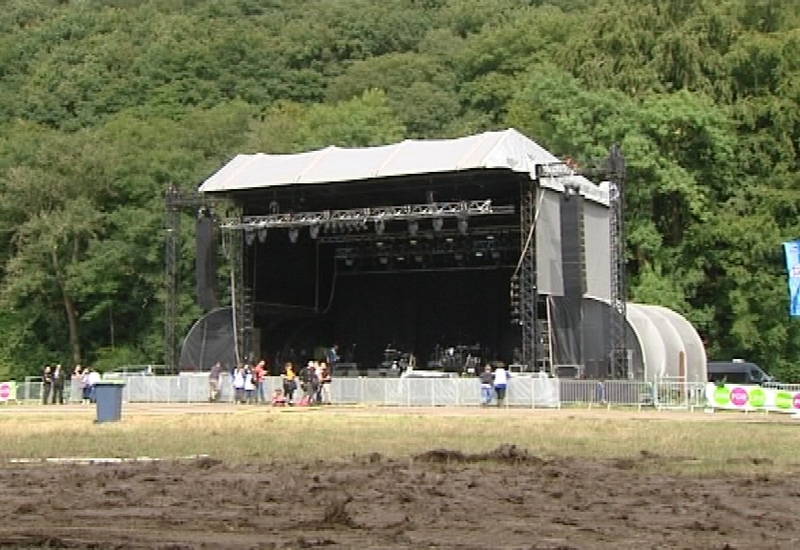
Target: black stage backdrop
[(306, 302)]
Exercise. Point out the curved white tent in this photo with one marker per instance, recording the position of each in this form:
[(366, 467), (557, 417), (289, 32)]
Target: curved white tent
[(670, 345), (507, 149)]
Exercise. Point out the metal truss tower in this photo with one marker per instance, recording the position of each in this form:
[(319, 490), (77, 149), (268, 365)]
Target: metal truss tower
[(619, 287), (526, 274)]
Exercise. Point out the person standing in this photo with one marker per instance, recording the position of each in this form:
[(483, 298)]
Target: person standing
[(500, 383), (258, 379), (238, 381), (76, 385), (94, 378), (86, 385), (249, 386), (310, 376), (487, 385), (213, 381), (59, 379), (47, 384), (332, 357), (289, 382), (325, 379)]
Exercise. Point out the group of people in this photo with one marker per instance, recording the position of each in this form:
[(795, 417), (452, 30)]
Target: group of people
[(54, 380), (248, 384), (314, 381), (494, 383)]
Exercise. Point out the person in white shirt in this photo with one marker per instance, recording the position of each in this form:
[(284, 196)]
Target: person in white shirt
[(93, 379), (500, 383), (249, 386), (238, 385)]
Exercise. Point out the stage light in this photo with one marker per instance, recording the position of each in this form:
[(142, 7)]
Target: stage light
[(400, 258), (262, 235), (418, 259), (348, 262), (438, 224), (313, 231), (294, 233), (413, 242), (413, 227), (380, 226), (479, 254), (383, 260), (463, 226), (249, 236)]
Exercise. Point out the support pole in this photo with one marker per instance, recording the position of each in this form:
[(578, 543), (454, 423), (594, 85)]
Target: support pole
[(619, 287), (172, 264), (528, 294), (234, 247)]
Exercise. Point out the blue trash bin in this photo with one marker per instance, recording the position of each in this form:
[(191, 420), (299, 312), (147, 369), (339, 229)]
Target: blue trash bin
[(108, 397)]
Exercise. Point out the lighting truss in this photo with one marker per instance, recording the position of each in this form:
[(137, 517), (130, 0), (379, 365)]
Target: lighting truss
[(362, 216), (404, 237)]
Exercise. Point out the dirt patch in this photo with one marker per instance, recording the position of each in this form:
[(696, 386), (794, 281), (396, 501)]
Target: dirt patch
[(506, 498), (504, 454)]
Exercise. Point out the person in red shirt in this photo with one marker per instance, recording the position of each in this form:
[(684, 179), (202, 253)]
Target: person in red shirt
[(258, 379)]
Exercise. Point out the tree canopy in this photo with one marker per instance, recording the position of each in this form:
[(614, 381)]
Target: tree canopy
[(103, 103)]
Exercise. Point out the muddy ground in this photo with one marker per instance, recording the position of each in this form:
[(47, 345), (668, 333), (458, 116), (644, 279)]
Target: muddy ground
[(505, 499)]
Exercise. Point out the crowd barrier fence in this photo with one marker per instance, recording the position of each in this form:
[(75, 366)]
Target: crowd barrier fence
[(523, 391)]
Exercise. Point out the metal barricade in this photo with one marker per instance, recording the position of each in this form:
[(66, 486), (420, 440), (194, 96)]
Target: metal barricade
[(524, 390)]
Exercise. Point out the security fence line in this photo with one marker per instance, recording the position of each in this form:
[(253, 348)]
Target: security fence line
[(523, 391)]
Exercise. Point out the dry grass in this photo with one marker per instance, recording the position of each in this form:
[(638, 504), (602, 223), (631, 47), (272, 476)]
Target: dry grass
[(261, 434)]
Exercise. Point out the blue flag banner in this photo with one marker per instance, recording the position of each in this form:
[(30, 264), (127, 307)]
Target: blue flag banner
[(792, 251)]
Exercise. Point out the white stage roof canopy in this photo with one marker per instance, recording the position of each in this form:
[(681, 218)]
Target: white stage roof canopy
[(504, 150)]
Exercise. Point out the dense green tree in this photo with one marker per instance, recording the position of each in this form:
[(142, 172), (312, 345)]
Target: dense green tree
[(103, 103)]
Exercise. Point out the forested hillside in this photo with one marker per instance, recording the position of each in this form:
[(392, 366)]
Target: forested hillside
[(104, 103)]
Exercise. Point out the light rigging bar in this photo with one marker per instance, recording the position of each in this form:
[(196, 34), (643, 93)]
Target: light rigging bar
[(369, 214)]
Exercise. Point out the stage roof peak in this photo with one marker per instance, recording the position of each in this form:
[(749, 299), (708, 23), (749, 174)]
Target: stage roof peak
[(503, 150)]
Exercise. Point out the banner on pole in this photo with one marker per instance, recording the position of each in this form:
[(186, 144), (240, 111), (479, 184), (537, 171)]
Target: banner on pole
[(8, 391), (792, 251), (749, 398)]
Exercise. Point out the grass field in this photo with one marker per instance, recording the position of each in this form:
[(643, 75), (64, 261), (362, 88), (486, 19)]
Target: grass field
[(692, 443)]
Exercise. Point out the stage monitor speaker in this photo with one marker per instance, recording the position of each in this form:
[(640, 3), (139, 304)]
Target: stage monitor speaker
[(346, 370)]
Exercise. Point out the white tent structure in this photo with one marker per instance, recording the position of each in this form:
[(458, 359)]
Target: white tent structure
[(503, 150), (670, 346)]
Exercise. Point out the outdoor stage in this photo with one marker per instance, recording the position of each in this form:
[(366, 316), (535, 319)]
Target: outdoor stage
[(445, 254)]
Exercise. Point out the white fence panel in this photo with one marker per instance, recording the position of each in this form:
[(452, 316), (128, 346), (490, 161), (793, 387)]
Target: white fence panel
[(523, 391)]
